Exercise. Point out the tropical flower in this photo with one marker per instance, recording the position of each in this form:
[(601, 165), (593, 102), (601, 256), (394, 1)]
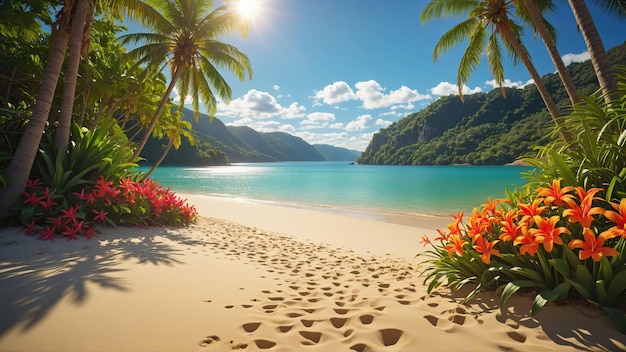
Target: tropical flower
[(530, 242), (546, 228), (555, 194), (509, 230), (531, 212), (455, 246), (425, 240), (593, 247), (485, 248), (583, 212), (619, 218)]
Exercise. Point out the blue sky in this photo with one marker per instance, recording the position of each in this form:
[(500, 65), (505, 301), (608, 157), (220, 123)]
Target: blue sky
[(336, 71)]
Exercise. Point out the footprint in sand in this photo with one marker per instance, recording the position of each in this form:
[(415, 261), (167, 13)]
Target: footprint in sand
[(264, 344), (250, 327), (311, 336), (209, 340)]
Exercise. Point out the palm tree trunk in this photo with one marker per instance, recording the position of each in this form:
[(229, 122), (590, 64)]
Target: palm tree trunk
[(541, 87), (599, 57), (161, 158), (62, 135), (156, 115), (568, 83), (22, 162)]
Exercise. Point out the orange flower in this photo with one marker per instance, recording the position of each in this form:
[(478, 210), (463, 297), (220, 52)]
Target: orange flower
[(485, 248), (509, 230), (477, 224), (555, 194), (455, 228), (443, 237), (593, 247), (491, 208), (530, 243), (529, 212), (425, 240), (618, 218), (584, 212), (455, 246), (547, 229)]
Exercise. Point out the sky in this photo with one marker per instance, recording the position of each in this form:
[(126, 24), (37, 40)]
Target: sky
[(337, 71)]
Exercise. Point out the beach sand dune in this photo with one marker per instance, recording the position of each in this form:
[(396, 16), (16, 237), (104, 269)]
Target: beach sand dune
[(223, 285)]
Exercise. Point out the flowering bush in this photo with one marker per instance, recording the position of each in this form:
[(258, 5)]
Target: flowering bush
[(126, 202), (562, 241)]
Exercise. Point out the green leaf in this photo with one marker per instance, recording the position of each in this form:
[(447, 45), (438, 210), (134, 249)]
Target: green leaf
[(513, 287), (616, 287), (563, 167), (600, 293), (606, 271), (616, 315), (547, 296)]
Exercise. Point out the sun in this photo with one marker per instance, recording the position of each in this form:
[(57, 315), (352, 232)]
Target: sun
[(247, 8)]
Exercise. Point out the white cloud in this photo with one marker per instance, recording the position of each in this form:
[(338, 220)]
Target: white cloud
[(447, 88), (177, 97), (259, 105), (361, 123), (508, 83), (569, 58), (382, 123), (276, 87), (371, 93), (321, 116), (335, 93), (336, 126), (338, 139)]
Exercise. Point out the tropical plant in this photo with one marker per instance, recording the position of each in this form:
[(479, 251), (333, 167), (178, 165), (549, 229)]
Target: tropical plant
[(563, 241), (22, 161), (599, 57), (596, 157), (185, 38), (174, 129), (488, 26)]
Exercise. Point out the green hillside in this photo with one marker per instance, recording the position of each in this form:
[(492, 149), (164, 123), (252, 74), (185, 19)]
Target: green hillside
[(488, 129)]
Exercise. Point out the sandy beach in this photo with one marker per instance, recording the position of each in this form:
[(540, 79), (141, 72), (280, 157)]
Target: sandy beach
[(255, 276)]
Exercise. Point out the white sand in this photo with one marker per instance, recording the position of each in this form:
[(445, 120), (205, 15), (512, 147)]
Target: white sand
[(252, 276)]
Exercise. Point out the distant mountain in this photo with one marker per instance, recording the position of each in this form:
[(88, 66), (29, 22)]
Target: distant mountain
[(218, 144), (486, 129), (332, 153)]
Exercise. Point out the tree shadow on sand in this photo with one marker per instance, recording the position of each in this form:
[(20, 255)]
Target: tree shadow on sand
[(583, 328), (32, 282)]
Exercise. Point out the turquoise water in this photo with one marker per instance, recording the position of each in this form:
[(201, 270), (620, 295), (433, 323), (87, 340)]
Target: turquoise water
[(439, 190)]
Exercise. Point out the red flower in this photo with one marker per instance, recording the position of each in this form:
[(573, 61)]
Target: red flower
[(70, 214), (32, 184), (100, 215), (47, 201), (47, 234), (29, 230), (90, 233), (31, 198)]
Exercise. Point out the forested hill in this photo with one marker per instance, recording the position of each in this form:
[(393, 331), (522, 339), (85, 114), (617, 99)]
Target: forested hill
[(218, 144), (487, 129)]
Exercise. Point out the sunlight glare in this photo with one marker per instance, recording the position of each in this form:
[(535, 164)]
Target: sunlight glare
[(247, 8)]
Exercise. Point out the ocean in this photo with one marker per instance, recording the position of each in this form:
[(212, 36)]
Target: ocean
[(429, 190)]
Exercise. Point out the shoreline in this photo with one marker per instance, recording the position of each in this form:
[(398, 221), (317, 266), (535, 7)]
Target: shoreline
[(258, 277)]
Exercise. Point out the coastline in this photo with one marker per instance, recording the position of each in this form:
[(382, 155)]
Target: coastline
[(251, 276)]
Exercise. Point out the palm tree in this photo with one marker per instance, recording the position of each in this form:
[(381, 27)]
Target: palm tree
[(531, 11), (185, 38), (175, 129), (78, 36), (22, 161), (599, 57), (488, 24)]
